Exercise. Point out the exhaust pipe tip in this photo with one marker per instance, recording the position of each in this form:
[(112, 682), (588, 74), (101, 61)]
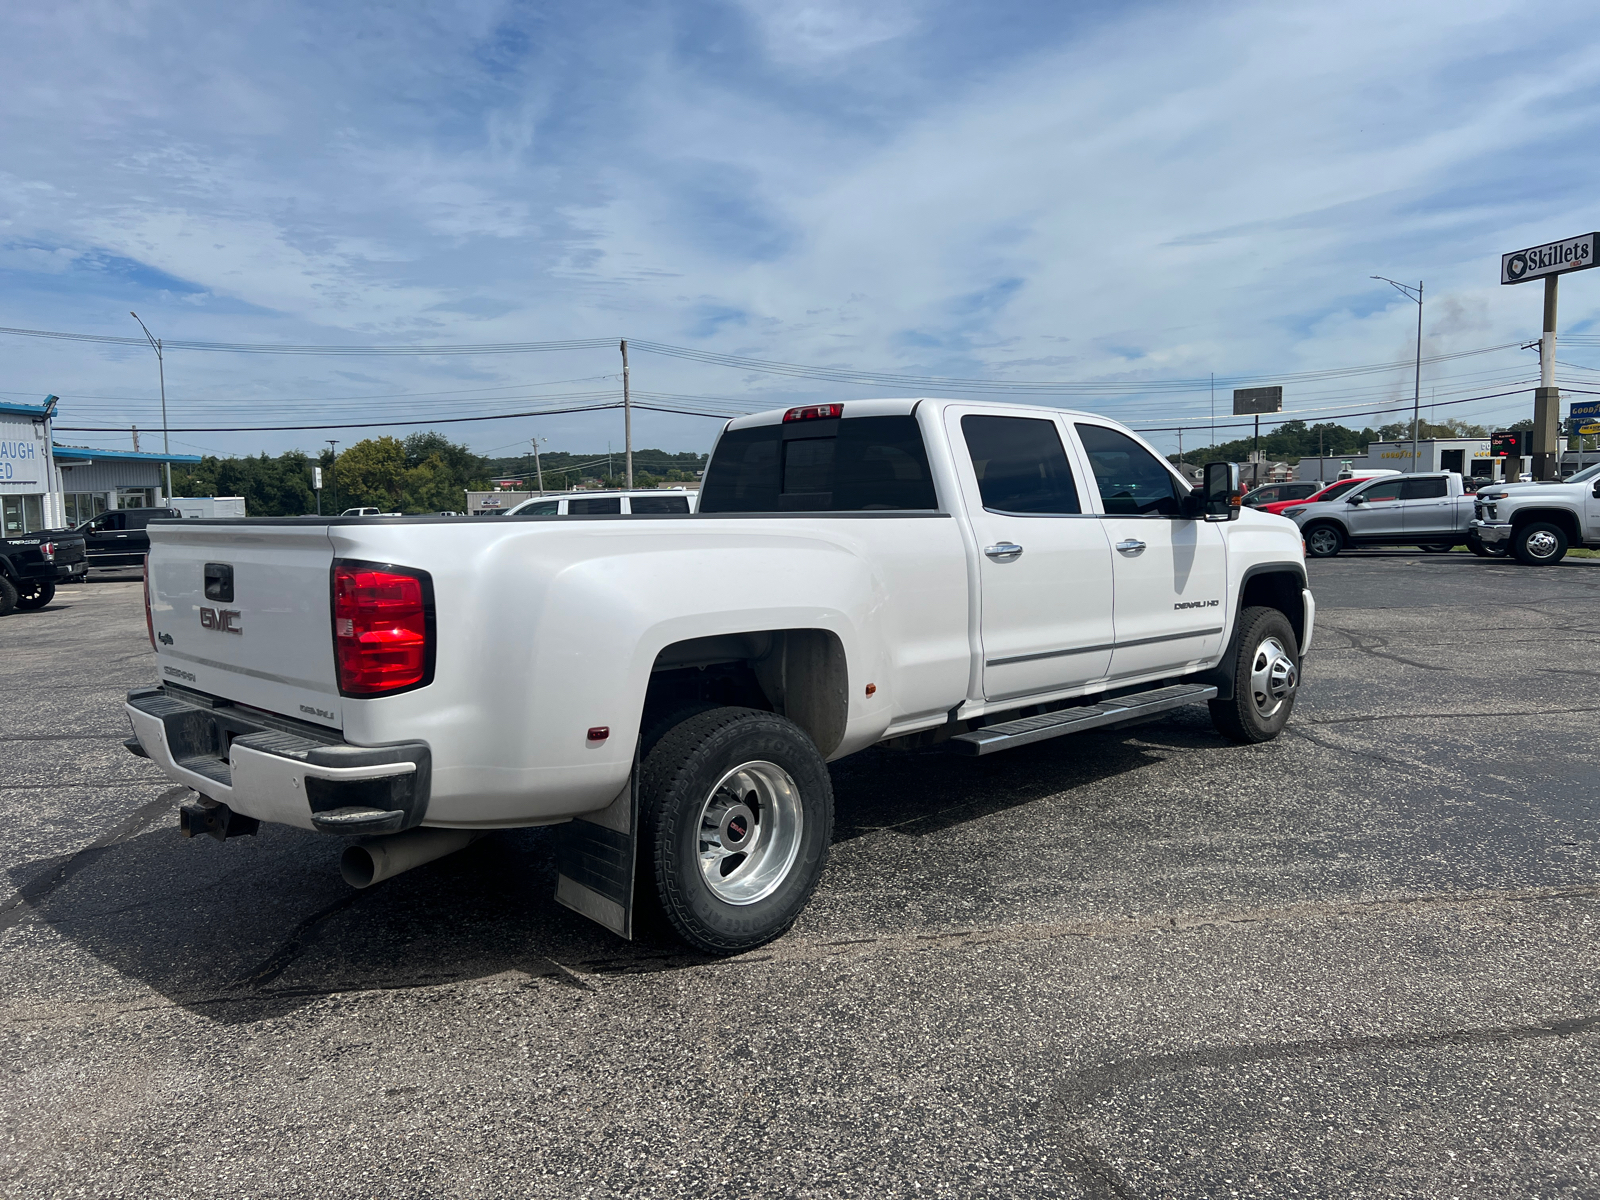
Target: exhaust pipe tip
[(358, 867), (372, 860)]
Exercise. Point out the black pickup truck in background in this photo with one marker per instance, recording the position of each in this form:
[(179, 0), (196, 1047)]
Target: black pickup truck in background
[(119, 538), (32, 565)]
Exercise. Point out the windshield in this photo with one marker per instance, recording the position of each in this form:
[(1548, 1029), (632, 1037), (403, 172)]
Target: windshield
[(1586, 474), (1338, 489)]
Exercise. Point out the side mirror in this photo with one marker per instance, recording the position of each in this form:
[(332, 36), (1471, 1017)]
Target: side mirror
[(1220, 491), (1596, 492), (1358, 498)]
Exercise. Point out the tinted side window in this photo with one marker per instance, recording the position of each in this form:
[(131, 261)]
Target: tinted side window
[(595, 506), (853, 464), (547, 508), (1382, 492), (743, 473), (1020, 465), (1132, 481), (1425, 489), (659, 504)]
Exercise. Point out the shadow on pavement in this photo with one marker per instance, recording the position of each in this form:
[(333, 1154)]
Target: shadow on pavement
[(258, 927)]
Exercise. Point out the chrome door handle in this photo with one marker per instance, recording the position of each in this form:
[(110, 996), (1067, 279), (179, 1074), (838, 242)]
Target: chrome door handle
[(1004, 551), (1131, 546)]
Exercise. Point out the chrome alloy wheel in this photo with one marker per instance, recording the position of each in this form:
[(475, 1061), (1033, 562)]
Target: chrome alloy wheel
[(750, 827), (1542, 544), (1273, 677)]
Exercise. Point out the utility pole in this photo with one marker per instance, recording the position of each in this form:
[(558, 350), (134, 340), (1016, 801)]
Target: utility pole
[(135, 439), (1415, 294), (161, 366), (1180, 452), (1213, 408), (1547, 400), (627, 420), (538, 470), (333, 476)]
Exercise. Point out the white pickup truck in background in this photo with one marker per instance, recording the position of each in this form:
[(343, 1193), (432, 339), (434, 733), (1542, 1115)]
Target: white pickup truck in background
[(1537, 522), (669, 689)]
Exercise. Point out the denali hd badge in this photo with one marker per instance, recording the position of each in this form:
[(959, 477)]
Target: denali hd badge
[(1197, 604), (224, 619)]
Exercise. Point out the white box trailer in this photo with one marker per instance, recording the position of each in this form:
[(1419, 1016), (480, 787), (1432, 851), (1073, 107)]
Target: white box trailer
[(198, 507)]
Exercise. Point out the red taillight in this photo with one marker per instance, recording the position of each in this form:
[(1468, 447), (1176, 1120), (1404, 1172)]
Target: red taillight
[(47, 551), (814, 412), (149, 620), (380, 629)]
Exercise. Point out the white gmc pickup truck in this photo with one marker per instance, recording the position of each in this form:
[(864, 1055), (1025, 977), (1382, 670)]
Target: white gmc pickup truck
[(668, 690)]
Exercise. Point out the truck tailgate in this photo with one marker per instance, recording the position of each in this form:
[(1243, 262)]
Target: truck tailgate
[(244, 614)]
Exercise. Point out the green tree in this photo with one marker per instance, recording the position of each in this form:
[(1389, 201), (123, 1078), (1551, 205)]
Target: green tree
[(372, 474)]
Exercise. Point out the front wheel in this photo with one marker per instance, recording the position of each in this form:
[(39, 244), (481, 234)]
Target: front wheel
[(36, 594), (1324, 541), (1484, 551), (1266, 677), (1539, 544), (738, 818), (8, 596)]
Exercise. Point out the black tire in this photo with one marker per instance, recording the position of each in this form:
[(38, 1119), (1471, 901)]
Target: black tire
[(8, 596), (1539, 544), (1247, 716), (680, 789), (1437, 548), (1324, 541), (36, 594), (1482, 551)]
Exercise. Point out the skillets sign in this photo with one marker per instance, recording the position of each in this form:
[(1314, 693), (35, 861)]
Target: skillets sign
[(1552, 258)]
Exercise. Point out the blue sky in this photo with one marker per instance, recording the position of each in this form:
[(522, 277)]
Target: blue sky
[(1084, 192)]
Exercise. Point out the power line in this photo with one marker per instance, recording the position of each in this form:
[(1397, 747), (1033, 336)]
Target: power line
[(538, 412), (270, 348)]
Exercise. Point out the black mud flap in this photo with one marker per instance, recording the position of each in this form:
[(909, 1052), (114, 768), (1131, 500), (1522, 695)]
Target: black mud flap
[(595, 859)]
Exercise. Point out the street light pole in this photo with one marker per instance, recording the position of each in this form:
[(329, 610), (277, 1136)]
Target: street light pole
[(161, 367), (1413, 294)]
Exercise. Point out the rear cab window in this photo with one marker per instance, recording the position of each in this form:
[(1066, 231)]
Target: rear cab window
[(820, 464), (658, 504), (1020, 465)]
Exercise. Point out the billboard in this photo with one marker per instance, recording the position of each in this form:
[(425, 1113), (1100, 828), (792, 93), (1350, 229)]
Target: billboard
[(1257, 400), (1553, 258)]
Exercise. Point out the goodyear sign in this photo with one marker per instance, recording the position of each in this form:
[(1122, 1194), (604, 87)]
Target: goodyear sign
[(1583, 418), (1552, 258)]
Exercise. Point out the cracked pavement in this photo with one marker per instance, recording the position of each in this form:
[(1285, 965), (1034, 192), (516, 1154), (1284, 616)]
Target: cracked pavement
[(1358, 961)]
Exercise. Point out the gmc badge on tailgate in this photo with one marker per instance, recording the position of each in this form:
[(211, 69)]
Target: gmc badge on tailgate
[(225, 619)]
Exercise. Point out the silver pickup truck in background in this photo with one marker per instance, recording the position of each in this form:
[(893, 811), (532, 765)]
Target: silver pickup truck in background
[(1432, 511)]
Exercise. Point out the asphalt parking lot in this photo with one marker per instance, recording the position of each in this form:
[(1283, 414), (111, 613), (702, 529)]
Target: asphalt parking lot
[(1358, 961)]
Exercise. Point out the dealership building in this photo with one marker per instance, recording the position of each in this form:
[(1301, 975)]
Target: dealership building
[(46, 486)]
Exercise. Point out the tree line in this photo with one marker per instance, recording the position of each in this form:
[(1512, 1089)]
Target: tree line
[(1294, 440), (421, 473)]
